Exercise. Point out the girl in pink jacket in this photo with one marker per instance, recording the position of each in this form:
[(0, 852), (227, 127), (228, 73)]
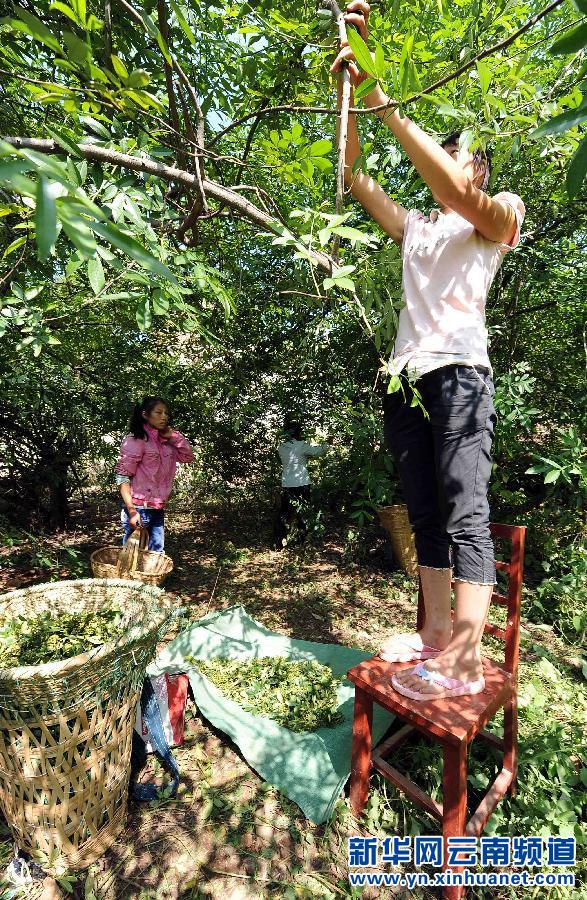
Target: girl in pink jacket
[(146, 468)]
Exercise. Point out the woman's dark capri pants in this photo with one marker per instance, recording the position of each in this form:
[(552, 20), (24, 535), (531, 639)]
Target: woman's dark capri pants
[(444, 464)]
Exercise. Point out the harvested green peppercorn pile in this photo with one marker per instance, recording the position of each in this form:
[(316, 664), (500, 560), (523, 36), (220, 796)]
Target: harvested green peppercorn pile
[(300, 696), (43, 639)]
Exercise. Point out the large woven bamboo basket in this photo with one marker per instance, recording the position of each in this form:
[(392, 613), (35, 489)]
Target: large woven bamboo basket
[(133, 561), (397, 524), (66, 727)]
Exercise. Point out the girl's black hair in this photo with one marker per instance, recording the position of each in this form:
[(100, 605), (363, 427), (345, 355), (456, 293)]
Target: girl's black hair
[(293, 431), (481, 160), (137, 420)]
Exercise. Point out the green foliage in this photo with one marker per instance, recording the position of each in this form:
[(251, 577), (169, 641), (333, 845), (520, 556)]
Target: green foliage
[(516, 421), (560, 598), (83, 203), (362, 54), (103, 297), (566, 468), (513, 391), (552, 511), (253, 55), (231, 555), (300, 696), (375, 483), (51, 563), (305, 157), (553, 756), (31, 641), (572, 42)]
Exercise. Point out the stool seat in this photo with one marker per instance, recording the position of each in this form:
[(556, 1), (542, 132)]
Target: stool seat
[(452, 719)]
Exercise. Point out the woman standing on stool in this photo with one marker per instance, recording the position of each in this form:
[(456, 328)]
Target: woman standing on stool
[(146, 468), (449, 262)]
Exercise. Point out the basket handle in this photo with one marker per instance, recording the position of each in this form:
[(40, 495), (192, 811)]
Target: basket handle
[(129, 555)]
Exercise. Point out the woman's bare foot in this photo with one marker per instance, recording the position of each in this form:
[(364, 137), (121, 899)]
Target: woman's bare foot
[(465, 667), (415, 646), (436, 637)]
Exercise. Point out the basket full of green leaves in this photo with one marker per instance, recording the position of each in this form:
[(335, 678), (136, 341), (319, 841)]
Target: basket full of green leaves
[(73, 656)]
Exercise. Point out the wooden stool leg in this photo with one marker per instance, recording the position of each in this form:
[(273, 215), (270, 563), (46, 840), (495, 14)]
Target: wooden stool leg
[(454, 804), (510, 739), (421, 616), (361, 751)]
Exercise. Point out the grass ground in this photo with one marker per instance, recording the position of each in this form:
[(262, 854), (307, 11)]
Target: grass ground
[(228, 834)]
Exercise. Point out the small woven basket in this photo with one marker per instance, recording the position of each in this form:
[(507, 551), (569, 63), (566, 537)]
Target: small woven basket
[(397, 524), (66, 727), (133, 561)]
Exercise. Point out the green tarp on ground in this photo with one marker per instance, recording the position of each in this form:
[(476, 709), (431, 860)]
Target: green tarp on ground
[(310, 768)]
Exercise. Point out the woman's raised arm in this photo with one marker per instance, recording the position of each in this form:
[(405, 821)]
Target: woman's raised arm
[(448, 181), (386, 212)]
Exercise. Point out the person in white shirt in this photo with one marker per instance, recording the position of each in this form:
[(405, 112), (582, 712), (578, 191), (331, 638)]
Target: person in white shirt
[(295, 481), (449, 260)]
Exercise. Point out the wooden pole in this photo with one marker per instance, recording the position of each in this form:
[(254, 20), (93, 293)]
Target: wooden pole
[(343, 116)]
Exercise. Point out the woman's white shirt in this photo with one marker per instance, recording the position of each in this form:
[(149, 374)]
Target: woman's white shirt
[(294, 455), (448, 269)]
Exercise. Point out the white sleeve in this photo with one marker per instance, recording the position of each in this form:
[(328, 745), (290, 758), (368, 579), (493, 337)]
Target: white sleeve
[(311, 450), (413, 216), (519, 209)]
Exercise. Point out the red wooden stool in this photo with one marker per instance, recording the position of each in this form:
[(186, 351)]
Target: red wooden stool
[(453, 722)]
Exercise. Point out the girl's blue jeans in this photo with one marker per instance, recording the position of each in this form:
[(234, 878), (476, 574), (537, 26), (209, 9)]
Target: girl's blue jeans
[(153, 520)]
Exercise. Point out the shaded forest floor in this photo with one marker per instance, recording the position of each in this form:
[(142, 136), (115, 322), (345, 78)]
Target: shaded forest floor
[(228, 834)]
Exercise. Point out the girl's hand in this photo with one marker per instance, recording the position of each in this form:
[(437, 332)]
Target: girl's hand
[(166, 433), (357, 14), (134, 518)]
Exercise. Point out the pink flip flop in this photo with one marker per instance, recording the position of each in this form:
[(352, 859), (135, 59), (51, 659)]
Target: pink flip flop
[(452, 686), (409, 648)]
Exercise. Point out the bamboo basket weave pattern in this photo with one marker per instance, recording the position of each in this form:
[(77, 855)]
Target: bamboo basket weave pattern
[(133, 561), (397, 524), (66, 727)]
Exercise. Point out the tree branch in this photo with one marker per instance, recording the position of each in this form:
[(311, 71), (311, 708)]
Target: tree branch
[(253, 129), (169, 173), (191, 222), (344, 80), (6, 278), (265, 198), (200, 135), (151, 117), (196, 211), (107, 31), (200, 127), (162, 19), (535, 308)]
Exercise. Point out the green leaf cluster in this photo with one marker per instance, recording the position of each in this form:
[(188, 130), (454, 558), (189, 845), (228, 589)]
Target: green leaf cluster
[(32, 641), (300, 696)]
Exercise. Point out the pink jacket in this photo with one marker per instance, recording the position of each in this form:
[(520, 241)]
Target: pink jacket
[(151, 465)]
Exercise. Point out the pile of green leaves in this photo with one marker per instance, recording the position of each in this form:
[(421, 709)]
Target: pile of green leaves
[(300, 696), (42, 639)]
